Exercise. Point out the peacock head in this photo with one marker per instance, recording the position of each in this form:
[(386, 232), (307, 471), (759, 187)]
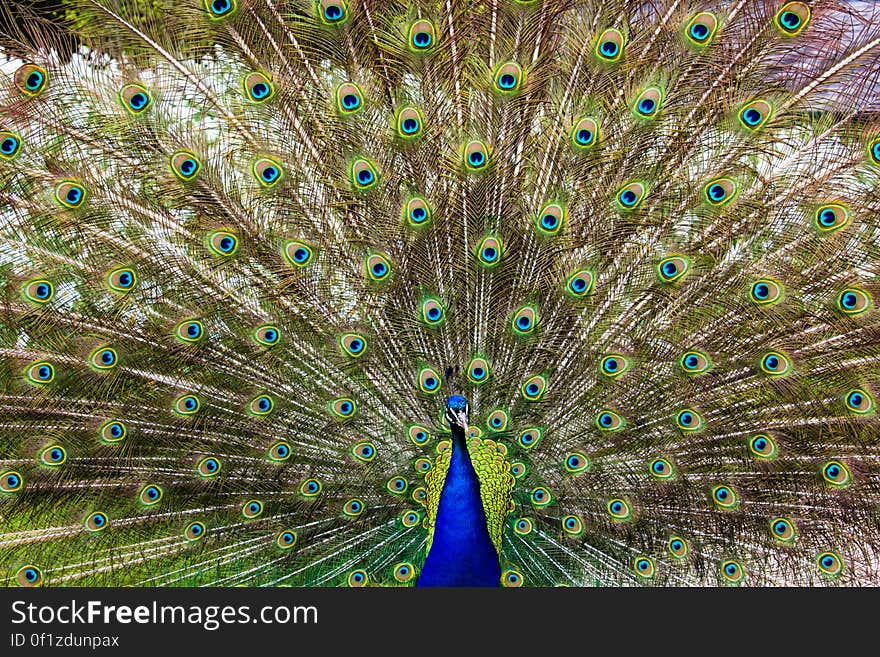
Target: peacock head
[(457, 410)]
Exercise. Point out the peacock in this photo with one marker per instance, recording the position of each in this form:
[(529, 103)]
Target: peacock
[(441, 293)]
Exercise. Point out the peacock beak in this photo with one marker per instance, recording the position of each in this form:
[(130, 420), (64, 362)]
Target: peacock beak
[(461, 418)]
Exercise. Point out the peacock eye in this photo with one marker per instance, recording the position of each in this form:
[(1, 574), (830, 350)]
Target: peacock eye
[(776, 364), (363, 174), (39, 291), (673, 268), (572, 525), (551, 218), (609, 420), (859, 401), (209, 467), (577, 462), (837, 474), (614, 365), (378, 267), (476, 155), (783, 530), (267, 335), (135, 98), (422, 35), (432, 311), (678, 547), (644, 567), (404, 572), (397, 485), (268, 171), (218, 9), (763, 446), (364, 451), (630, 196), (95, 522), (579, 283), (732, 572), (10, 145), (185, 165), (410, 122), (701, 28), (30, 79), (609, 46), (358, 579), (349, 98), (29, 576), (489, 251), (647, 103), (353, 345), (854, 301), (585, 134), (754, 114), (830, 564), (792, 18), (343, 408), (252, 509), (511, 578), (725, 497), (280, 451), (333, 12), (122, 280), (261, 405), (103, 358), (662, 469), (258, 88), (479, 371), (71, 194), (720, 191), (534, 387), (497, 420), (190, 331), (619, 509), (187, 405), (353, 508), (525, 320), (195, 531), (419, 435), (150, 495), (53, 456), (766, 292), (689, 420), (529, 438), (508, 78), (11, 482), (298, 253), (429, 380), (523, 526), (540, 496), (417, 212), (311, 488), (695, 362), (40, 373), (286, 539), (831, 217)]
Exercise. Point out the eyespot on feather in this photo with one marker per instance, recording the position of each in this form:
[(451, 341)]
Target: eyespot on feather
[(30, 79), (135, 98), (792, 18), (610, 46)]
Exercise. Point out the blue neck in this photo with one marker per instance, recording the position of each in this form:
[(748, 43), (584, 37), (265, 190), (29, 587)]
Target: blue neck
[(462, 553)]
